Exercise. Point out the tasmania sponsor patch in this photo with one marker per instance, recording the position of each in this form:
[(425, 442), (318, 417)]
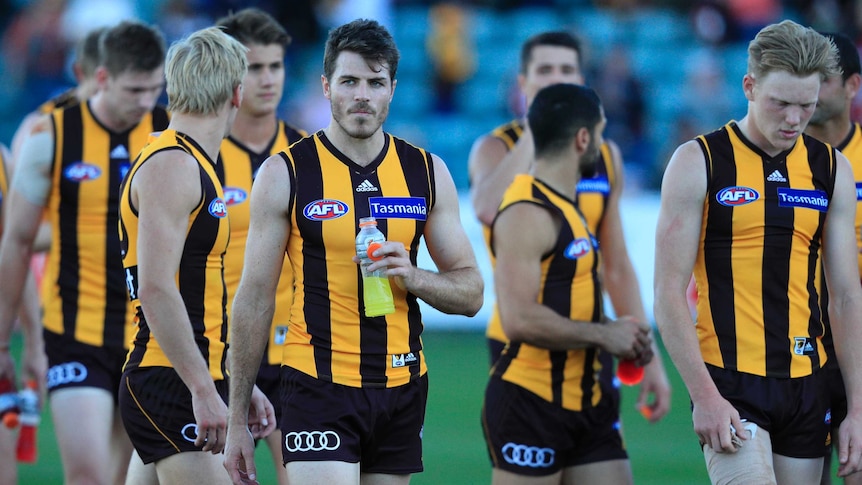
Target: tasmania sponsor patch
[(809, 199), (398, 208)]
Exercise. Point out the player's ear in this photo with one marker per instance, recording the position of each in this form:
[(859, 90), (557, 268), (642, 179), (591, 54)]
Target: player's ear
[(852, 84)]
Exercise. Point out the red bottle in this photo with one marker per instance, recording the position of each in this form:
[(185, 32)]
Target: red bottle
[(628, 373), (8, 403), (29, 403)]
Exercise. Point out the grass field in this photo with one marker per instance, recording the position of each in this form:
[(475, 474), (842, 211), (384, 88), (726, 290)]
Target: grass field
[(665, 453)]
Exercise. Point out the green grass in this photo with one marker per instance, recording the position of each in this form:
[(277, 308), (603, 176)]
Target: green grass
[(665, 453)]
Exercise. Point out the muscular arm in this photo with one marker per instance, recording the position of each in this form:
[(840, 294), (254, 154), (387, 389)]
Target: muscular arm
[(457, 286), (492, 168), (845, 309), (165, 190), (677, 234)]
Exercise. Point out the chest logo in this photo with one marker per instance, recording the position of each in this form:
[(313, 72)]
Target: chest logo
[(808, 199), (734, 196), (578, 248), (398, 207), (234, 196), (324, 210), (218, 208), (82, 172)]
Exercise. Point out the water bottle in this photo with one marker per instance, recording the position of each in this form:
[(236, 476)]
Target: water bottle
[(8, 403), (28, 401), (376, 292)]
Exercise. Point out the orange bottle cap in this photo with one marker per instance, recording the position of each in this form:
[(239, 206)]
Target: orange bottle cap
[(374, 246)]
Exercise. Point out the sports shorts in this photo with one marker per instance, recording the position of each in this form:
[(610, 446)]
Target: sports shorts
[(76, 364), (156, 408), (379, 428), (528, 435), (795, 411)]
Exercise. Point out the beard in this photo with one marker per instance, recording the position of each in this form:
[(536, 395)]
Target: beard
[(589, 162), (359, 127)]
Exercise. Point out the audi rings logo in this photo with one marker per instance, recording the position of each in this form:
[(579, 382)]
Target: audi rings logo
[(531, 456), (190, 432), (66, 374), (311, 441)]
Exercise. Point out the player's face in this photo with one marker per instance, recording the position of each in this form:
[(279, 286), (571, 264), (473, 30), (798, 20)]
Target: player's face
[(831, 101), (132, 94), (264, 82), (550, 65), (780, 106), (359, 94)]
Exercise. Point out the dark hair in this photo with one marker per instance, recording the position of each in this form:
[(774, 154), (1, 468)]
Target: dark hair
[(131, 46), (556, 39), (848, 55), (254, 26), (365, 37), (87, 51), (558, 112)]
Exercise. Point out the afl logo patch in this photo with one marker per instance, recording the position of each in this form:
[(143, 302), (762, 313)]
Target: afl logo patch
[(82, 172), (234, 195), (733, 196), (324, 210), (578, 248), (217, 208)]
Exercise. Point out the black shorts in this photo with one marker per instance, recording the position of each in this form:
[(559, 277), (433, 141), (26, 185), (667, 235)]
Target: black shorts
[(528, 435), (834, 388), (495, 349), (795, 412), (75, 364), (156, 407), (379, 428), (269, 382)]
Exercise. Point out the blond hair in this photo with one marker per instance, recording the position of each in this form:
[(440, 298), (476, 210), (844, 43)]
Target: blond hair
[(203, 70), (790, 47)]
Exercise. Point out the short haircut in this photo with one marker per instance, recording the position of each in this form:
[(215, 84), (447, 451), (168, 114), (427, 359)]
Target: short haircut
[(554, 39), (254, 26), (365, 37), (848, 54), (790, 47), (203, 70), (558, 112), (87, 51), (131, 46)]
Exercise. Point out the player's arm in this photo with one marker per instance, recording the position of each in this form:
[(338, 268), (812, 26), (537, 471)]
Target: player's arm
[(254, 304), (622, 286), (165, 190), (524, 234), (845, 309), (677, 233), (457, 286), (28, 194), (492, 168)]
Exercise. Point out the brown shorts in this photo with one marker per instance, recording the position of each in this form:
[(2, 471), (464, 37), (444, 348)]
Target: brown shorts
[(379, 428)]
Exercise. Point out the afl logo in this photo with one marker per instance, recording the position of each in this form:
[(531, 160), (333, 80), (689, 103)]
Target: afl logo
[(234, 195), (81, 172), (733, 196), (324, 210), (217, 208), (578, 248)]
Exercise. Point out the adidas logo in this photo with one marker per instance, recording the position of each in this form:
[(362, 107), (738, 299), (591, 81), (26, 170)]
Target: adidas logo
[(776, 177), (366, 186), (120, 151)]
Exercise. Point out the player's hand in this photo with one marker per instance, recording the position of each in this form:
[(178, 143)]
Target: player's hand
[(655, 383), (211, 419), (850, 445), (716, 422), (629, 339), (395, 261), (239, 456), (261, 415), (34, 365)]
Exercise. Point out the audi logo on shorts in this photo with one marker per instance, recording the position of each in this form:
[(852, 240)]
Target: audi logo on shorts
[(190, 432), (531, 456), (312, 441), (66, 374)]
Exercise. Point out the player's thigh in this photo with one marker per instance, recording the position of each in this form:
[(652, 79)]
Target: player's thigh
[(8, 464), (504, 477), (383, 479), (273, 443), (83, 420), (322, 472), (193, 467), (797, 470), (752, 463), (612, 472), (140, 474)]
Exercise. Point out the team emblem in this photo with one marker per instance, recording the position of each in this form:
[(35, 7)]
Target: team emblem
[(234, 195), (218, 208), (82, 172), (325, 209), (734, 196)]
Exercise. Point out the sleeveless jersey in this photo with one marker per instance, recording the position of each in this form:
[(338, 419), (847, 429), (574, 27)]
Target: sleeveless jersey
[(83, 288), (236, 170), (592, 198), (571, 287), (758, 270), (199, 277), (63, 100), (330, 338)]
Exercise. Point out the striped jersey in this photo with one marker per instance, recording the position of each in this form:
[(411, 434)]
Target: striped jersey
[(4, 181), (570, 286), (236, 170), (592, 199), (758, 269), (199, 277), (330, 338), (65, 99), (83, 288)]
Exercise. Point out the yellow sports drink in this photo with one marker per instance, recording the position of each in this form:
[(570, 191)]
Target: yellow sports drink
[(378, 296), (376, 293)]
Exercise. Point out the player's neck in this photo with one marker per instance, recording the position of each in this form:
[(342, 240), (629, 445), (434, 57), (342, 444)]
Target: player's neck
[(206, 131), (255, 132), (362, 151), (560, 175), (833, 131), (105, 114)]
